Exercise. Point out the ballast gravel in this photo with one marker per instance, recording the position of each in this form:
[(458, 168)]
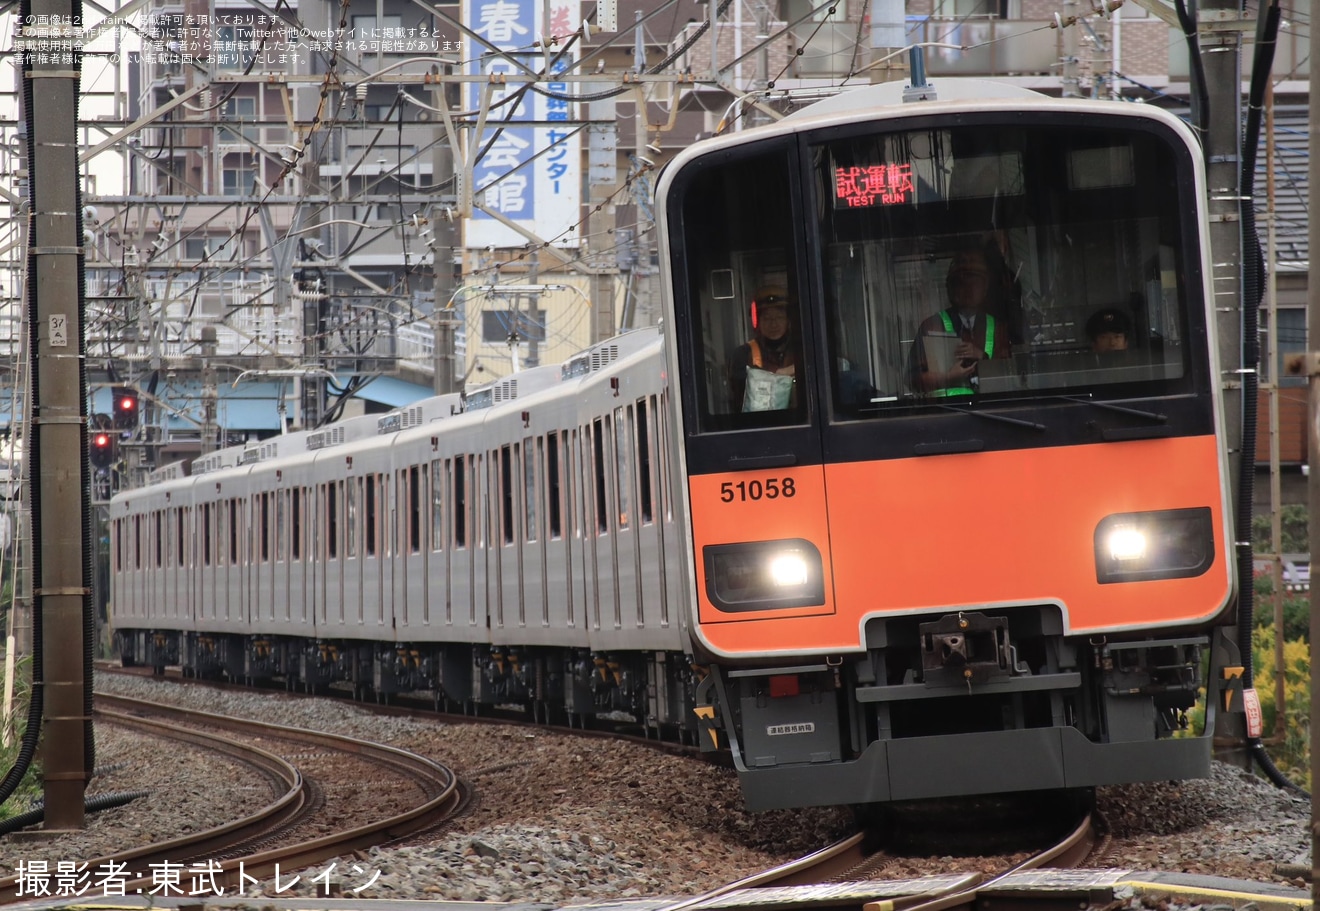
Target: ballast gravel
[(560, 818)]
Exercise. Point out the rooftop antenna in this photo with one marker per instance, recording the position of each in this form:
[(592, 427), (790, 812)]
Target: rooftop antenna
[(918, 89)]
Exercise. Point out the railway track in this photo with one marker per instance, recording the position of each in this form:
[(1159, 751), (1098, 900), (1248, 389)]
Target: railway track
[(289, 833), (843, 875)]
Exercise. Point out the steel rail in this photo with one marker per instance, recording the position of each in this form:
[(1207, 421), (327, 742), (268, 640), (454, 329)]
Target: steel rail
[(437, 782), (825, 865), (285, 779)]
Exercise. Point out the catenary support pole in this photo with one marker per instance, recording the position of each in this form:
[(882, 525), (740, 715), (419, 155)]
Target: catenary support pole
[(1223, 156), (1313, 484), (58, 388)]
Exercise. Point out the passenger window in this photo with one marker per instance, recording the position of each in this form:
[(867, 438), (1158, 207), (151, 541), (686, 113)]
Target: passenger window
[(553, 485), (506, 494), (460, 508)]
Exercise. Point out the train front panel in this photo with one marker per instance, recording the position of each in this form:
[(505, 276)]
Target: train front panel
[(951, 432)]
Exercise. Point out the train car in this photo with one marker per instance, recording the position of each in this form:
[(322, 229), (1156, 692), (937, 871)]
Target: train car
[(969, 531), (513, 546), (920, 492)]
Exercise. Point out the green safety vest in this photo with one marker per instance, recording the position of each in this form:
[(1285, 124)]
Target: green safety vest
[(966, 389)]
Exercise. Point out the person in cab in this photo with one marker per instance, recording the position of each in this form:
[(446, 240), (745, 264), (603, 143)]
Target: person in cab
[(763, 372), (951, 344), (1108, 330)]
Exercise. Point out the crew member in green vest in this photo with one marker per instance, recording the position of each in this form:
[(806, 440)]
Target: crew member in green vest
[(950, 344)]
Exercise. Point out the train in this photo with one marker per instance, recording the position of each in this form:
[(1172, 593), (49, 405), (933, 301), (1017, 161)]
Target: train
[(920, 489)]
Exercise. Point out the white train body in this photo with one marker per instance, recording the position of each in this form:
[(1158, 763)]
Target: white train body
[(516, 548)]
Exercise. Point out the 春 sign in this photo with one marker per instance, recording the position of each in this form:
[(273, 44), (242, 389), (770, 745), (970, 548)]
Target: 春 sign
[(531, 172)]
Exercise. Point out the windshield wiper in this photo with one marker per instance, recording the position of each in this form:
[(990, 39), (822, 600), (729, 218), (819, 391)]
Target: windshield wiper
[(991, 416), (1121, 409)]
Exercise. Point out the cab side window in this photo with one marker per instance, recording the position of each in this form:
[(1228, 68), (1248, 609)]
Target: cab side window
[(747, 356)]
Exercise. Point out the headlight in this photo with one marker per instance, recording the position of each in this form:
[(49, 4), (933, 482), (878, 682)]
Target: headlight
[(764, 575), (1140, 546), (1127, 543)]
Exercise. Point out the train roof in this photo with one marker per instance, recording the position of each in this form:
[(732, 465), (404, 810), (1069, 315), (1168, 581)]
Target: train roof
[(952, 97), (360, 433), (890, 94)]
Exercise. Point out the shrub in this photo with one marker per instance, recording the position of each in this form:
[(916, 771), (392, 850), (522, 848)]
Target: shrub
[(1293, 755), (1295, 539)]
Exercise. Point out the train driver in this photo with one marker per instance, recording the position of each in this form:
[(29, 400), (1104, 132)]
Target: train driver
[(950, 344), (762, 372)]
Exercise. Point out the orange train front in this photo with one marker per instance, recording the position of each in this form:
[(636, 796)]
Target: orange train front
[(961, 526)]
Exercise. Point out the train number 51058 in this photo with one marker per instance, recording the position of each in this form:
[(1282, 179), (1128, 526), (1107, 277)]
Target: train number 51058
[(769, 489)]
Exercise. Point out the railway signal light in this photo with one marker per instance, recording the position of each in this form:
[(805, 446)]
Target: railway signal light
[(101, 447), (127, 406)]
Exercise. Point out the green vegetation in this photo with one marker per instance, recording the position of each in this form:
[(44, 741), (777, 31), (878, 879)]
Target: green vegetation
[(1294, 538), (1292, 755), (29, 791)]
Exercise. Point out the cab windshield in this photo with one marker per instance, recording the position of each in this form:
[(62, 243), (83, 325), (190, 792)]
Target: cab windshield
[(987, 262)]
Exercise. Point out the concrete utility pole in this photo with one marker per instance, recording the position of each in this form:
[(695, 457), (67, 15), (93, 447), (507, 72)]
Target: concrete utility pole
[(1222, 141), (442, 258), (59, 439), (602, 183), (210, 434)]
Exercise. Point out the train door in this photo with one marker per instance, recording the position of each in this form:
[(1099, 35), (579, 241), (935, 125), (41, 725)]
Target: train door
[(506, 598), (560, 550), (389, 546), (434, 582), (461, 552), (628, 603), (155, 583), (501, 524), (293, 605), (530, 561), (436, 549), (537, 534), (409, 561), (236, 558), (182, 578), (650, 552), (317, 557), (373, 549), (483, 479), (202, 582), (300, 528), (221, 527), (174, 578), (353, 611), (280, 608), (583, 565), (601, 579), (252, 565), (669, 537)]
